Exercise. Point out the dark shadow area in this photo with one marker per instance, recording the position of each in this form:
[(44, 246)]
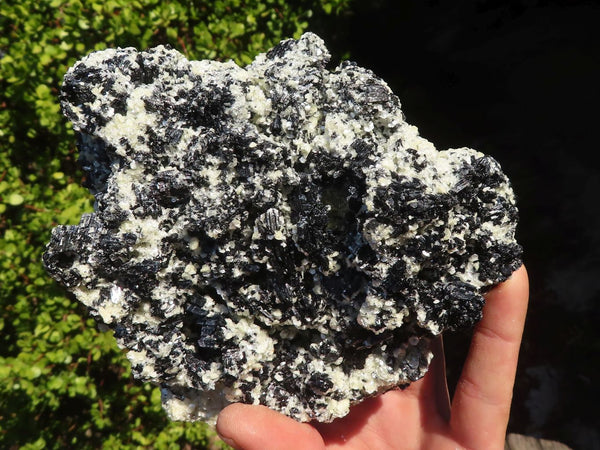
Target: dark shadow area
[(518, 80)]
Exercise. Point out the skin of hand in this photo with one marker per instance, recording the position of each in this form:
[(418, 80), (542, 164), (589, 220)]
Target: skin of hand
[(420, 416)]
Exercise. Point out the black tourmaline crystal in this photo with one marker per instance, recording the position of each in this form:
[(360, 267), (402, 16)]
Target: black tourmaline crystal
[(275, 234)]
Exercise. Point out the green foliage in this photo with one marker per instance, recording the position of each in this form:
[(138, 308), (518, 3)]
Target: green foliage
[(63, 383)]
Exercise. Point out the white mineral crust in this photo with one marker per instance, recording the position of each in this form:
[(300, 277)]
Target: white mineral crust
[(275, 234)]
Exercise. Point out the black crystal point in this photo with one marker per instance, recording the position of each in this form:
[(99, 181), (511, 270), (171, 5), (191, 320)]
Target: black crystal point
[(273, 234)]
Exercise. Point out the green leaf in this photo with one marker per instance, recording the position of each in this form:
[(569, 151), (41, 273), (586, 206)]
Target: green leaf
[(236, 29), (55, 383), (15, 199), (42, 90)]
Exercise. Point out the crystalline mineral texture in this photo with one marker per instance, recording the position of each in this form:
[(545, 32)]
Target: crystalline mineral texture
[(275, 234)]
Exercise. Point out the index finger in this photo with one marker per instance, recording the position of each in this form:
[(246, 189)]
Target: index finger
[(481, 404)]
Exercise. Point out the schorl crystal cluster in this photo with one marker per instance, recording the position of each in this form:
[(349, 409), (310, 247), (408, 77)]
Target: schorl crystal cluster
[(275, 234)]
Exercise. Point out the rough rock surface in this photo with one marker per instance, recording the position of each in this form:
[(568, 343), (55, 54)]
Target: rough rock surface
[(273, 234)]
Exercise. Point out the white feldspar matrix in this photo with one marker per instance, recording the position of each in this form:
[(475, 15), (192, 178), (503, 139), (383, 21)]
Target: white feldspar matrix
[(275, 234)]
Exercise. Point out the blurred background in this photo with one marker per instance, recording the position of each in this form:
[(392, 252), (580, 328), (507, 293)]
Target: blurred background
[(518, 80)]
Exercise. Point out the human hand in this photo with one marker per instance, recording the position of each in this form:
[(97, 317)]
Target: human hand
[(420, 416)]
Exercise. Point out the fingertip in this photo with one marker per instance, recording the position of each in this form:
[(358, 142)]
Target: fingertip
[(249, 427), (506, 308), (521, 281), (226, 424), (517, 285)]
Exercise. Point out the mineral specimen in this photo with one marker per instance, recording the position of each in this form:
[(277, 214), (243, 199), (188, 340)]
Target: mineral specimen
[(275, 234)]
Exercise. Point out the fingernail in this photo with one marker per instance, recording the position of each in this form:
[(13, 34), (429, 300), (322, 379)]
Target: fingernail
[(228, 441)]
